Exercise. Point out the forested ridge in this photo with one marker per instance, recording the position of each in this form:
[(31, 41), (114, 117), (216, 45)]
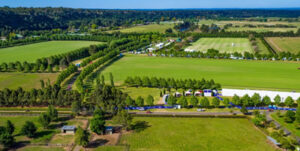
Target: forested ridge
[(49, 18)]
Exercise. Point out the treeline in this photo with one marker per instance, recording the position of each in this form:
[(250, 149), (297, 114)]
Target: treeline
[(51, 18), (49, 95), (66, 73), (89, 69), (257, 100), (212, 53), (171, 83), (47, 64)]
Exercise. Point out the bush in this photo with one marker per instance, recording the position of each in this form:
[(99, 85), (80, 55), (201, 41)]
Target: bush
[(28, 129)]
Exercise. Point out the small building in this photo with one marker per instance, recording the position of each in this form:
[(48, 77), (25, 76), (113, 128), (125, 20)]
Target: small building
[(160, 45), (68, 129), (188, 93), (109, 130), (78, 65), (207, 92), (198, 93), (177, 94)]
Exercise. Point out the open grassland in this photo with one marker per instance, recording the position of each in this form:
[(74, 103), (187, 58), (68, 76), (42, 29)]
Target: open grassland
[(110, 148), (261, 47), (238, 25), (286, 44), (32, 52), (148, 28), (269, 75), (40, 148), (193, 134), (228, 45), (25, 80)]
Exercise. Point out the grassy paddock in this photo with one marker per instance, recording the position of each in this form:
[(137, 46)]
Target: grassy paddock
[(148, 28), (32, 52), (14, 80), (286, 44), (177, 134), (267, 75), (222, 44)]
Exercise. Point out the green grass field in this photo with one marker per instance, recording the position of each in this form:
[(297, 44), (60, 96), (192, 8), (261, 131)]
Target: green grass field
[(287, 44), (42, 135), (260, 29), (25, 80), (222, 44), (268, 75), (40, 148), (148, 28), (193, 134), (44, 49), (261, 47)]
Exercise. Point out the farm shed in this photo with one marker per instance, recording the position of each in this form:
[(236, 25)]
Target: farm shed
[(273, 141), (68, 129), (109, 130)]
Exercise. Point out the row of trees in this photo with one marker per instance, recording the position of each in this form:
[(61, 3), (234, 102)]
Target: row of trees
[(47, 64), (50, 95), (212, 53), (171, 83), (257, 100), (66, 73), (140, 101), (89, 69)]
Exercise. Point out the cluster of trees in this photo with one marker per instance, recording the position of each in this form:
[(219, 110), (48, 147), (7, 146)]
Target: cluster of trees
[(140, 101), (257, 100), (51, 18), (171, 83), (212, 53), (212, 29), (97, 123), (89, 69), (109, 98), (6, 134), (49, 95), (51, 115)]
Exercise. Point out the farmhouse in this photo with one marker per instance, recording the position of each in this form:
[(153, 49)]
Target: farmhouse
[(68, 129)]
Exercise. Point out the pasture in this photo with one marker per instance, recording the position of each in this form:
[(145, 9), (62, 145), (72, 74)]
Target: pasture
[(32, 52), (268, 75), (13, 80), (147, 28), (229, 45), (178, 134), (285, 44)]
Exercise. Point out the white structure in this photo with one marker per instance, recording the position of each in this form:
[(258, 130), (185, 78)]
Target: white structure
[(160, 45), (233, 44), (207, 93), (189, 50), (262, 93), (151, 49)]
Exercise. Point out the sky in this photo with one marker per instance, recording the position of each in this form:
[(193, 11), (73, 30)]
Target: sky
[(153, 4)]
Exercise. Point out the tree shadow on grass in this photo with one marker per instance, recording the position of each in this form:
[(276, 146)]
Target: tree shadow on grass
[(43, 133), (96, 143), (57, 125), (140, 126)]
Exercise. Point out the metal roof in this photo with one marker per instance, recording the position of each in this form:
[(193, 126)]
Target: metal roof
[(68, 127)]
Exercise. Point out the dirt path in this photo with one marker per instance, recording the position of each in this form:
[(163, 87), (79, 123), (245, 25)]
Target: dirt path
[(274, 45)]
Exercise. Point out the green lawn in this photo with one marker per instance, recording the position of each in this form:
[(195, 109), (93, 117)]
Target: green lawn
[(110, 148), (193, 134), (14, 80), (261, 29), (229, 45), (269, 75), (261, 47), (148, 28), (289, 126), (286, 44), (40, 148), (32, 52)]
